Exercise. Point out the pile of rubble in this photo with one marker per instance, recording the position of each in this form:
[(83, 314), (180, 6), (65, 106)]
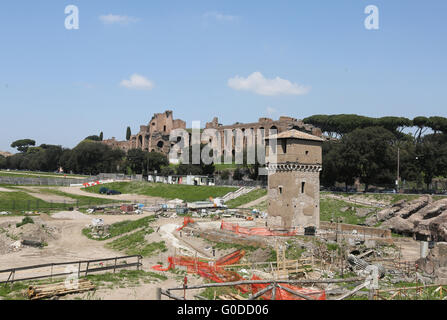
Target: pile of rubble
[(423, 218), (99, 230), (14, 237)]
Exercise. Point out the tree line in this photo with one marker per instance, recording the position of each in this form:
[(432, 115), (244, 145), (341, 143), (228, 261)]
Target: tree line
[(92, 157), (368, 149)]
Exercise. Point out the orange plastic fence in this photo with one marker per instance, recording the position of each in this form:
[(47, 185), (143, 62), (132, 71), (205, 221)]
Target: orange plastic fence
[(255, 231), (186, 221), (195, 265), (214, 271), (282, 294)]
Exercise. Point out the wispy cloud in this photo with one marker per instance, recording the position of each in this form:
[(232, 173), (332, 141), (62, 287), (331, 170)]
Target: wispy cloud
[(257, 83), (219, 16), (117, 19), (137, 82)]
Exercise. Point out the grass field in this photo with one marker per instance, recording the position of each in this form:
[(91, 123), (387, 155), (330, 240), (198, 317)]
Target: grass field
[(246, 198), (333, 208), (80, 200), (167, 191), (21, 201), (123, 227), (135, 243), (33, 174)]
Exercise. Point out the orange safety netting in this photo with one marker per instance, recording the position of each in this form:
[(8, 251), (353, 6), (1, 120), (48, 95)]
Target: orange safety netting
[(214, 271), (196, 265), (186, 221), (282, 294), (255, 231)]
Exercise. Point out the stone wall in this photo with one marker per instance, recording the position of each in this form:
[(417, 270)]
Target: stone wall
[(295, 196)]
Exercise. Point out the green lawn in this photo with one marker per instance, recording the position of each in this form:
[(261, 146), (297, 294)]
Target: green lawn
[(333, 208), (135, 243), (122, 227), (33, 174), (22, 201), (81, 200), (246, 198), (167, 191)]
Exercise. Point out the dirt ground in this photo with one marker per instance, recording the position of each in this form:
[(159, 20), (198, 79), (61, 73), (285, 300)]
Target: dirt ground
[(68, 244)]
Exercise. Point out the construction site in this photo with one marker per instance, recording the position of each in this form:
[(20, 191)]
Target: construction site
[(290, 242)]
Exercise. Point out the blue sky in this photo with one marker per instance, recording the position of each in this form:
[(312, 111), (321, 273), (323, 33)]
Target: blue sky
[(213, 58)]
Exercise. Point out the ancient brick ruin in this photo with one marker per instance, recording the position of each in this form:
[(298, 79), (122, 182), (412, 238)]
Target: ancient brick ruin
[(152, 137), (155, 135)]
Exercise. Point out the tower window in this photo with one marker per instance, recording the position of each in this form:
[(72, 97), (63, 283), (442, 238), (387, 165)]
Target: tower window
[(307, 152), (280, 189), (284, 145), (303, 184)]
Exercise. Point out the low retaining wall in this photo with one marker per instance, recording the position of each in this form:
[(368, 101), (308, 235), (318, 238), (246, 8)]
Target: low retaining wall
[(361, 230)]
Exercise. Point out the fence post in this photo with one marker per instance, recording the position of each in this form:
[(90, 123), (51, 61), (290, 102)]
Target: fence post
[(114, 267), (157, 293)]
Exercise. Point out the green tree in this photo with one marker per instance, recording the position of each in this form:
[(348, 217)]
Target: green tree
[(128, 133), (238, 174), (431, 157), (23, 144), (155, 161), (422, 123), (370, 155), (225, 174), (93, 138), (2, 162), (101, 136), (136, 160)]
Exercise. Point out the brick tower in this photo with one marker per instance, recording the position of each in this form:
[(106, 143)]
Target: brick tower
[(294, 179)]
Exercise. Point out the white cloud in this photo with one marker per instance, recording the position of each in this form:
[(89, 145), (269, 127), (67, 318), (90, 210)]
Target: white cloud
[(257, 83), (137, 82), (219, 16), (112, 18)]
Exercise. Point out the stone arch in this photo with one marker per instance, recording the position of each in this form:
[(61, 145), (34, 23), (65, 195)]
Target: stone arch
[(160, 144)]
